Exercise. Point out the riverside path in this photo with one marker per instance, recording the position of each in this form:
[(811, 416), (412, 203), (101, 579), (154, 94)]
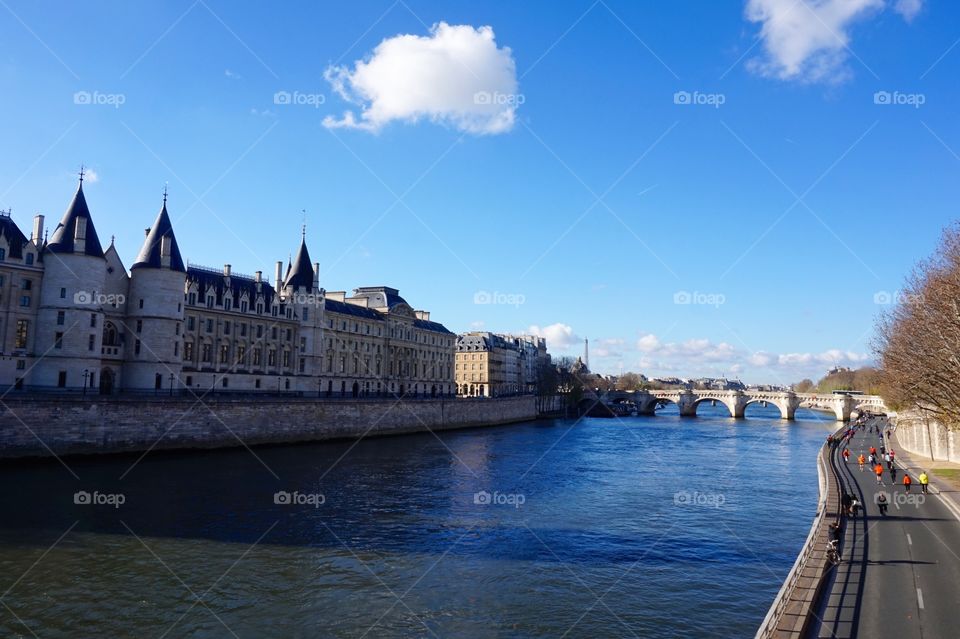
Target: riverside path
[(900, 573)]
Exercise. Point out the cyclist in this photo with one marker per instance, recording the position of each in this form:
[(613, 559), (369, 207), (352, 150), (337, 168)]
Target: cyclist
[(924, 480)]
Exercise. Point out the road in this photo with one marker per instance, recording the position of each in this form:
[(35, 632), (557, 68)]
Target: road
[(900, 574)]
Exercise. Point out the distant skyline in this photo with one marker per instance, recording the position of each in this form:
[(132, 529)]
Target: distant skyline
[(701, 189)]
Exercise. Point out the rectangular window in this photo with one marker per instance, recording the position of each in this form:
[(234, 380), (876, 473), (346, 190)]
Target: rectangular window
[(205, 353), (61, 318), (271, 357), (23, 329), (243, 330), (188, 351), (176, 331), (224, 353), (62, 379), (273, 332), (63, 293), (303, 364), (136, 347), (192, 299), (259, 331), (241, 354), (286, 359), (191, 324), (226, 328), (91, 340), (306, 314), (93, 320), (58, 340), (176, 348), (25, 301), (21, 364), (26, 285), (209, 325), (139, 326), (141, 302), (257, 356), (303, 344)]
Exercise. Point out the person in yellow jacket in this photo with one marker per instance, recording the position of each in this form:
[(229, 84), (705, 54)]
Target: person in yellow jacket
[(924, 480)]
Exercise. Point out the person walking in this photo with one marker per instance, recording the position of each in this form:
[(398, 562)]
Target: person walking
[(906, 482), (846, 454), (924, 481), (878, 471), (882, 503), (861, 460), (893, 475), (873, 450)]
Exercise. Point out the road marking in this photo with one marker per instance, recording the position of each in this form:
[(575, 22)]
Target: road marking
[(909, 541), (897, 507), (920, 598)]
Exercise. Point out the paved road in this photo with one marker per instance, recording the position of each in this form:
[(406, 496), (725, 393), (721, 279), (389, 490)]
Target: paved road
[(900, 575)]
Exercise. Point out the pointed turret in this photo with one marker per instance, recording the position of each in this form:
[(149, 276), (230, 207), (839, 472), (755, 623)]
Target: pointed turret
[(75, 233), (160, 248), (300, 273)]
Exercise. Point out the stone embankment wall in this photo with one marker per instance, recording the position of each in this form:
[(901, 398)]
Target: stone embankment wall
[(44, 426), (926, 437)]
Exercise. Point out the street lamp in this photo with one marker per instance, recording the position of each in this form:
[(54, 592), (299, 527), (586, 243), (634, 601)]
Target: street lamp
[(172, 377), (86, 376)]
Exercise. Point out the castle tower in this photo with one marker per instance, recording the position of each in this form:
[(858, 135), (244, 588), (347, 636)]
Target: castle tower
[(586, 353), (70, 318), (154, 311), (301, 292)]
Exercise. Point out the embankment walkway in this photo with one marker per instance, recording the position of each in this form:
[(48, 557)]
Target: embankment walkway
[(900, 573)]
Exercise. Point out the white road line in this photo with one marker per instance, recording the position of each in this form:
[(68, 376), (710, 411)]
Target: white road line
[(897, 505), (909, 541), (920, 598)]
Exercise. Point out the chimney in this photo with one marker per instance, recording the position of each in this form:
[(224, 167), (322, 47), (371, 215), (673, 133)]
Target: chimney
[(37, 228), (80, 235), (165, 251), (226, 270), (279, 275), (258, 277), (316, 275)]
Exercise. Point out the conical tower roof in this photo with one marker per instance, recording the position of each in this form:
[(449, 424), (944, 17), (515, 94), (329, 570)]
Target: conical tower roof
[(300, 272), (150, 254), (62, 240)]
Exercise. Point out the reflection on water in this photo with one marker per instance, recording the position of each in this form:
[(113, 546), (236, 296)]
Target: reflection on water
[(604, 528)]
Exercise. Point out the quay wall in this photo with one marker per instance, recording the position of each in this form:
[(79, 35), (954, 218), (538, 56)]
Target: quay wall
[(48, 426), (926, 437)]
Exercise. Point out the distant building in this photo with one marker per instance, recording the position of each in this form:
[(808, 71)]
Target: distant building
[(492, 365)]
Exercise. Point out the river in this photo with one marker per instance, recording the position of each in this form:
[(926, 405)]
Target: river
[(643, 526)]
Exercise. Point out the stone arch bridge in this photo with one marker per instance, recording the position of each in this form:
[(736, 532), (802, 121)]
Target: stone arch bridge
[(842, 405)]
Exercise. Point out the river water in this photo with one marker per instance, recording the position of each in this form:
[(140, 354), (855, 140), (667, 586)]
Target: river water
[(643, 526)]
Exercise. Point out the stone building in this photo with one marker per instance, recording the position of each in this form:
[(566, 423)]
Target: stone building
[(73, 319), (492, 365)]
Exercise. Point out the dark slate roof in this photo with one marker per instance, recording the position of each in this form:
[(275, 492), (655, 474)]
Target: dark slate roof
[(300, 274), (427, 325), (380, 296), (473, 343), (150, 253), (14, 236), (346, 308), (62, 239), (210, 280)]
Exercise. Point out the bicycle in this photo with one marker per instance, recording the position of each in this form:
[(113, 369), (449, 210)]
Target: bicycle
[(833, 552)]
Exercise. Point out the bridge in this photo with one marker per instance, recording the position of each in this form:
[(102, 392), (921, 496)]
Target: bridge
[(646, 402)]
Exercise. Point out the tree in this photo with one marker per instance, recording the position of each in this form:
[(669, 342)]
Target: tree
[(804, 386), (629, 382), (917, 341)]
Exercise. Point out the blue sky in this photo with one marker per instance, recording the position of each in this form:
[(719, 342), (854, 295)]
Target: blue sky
[(779, 165)]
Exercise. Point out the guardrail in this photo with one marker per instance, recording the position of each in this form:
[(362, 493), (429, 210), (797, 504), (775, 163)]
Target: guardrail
[(792, 608)]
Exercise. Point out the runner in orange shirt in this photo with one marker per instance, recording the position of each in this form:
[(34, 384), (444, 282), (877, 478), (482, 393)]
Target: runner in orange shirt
[(906, 482), (861, 460), (846, 454), (878, 471)]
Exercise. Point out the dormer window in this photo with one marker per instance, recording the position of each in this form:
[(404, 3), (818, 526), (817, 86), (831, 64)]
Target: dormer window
[(3, 254), (192, 300), (209, 301), (243, 307), (29, 258)]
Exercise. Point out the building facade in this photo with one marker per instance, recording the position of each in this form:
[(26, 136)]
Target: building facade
[(493, 365), (73, 318)]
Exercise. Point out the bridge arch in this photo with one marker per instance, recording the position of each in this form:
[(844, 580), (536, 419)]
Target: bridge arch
[(731, 405), (785, 411)]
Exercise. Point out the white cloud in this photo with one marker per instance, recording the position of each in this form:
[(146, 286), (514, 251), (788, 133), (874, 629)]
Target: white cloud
[(560, 337), (807, 40), (648, 343), (456, 76), (908, 8), (230, 74), (91, 176), (477, 325)]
